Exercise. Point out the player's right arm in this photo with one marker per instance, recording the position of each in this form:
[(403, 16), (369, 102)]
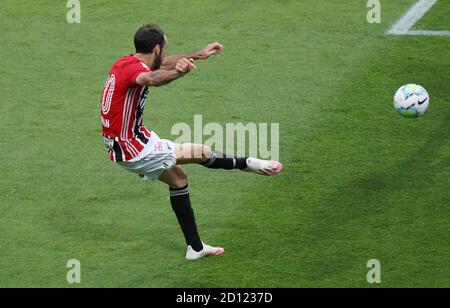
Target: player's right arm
[(162, 77)]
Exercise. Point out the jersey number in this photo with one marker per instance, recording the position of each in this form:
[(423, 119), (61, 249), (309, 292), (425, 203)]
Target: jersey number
[(108, 94)]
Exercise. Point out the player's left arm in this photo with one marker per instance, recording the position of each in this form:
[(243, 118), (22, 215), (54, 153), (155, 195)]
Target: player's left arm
[(170, 62)]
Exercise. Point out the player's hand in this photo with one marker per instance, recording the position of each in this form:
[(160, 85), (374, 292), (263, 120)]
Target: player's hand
[(184, 66), (211, 49)]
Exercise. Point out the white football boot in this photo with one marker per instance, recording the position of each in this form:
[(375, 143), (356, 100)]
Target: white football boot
[(264, 167), (208, 251)]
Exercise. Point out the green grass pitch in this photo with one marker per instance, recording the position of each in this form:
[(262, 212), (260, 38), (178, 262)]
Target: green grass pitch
[(360, 182)]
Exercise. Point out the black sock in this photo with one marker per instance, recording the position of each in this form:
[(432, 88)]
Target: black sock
[(181, 205), (222, 161)]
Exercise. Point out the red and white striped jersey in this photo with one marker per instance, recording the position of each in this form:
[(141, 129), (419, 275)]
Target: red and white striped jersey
[(122, 110)]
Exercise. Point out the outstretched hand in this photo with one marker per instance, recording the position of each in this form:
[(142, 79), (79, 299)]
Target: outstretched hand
[(211, 49)]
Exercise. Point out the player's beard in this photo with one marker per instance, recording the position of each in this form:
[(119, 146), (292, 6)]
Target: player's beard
[(157, 62)]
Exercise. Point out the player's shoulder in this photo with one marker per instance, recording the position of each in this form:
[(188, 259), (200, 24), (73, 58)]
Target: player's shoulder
[(130, 62)]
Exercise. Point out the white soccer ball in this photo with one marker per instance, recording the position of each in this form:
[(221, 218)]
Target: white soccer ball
[(411, 101)]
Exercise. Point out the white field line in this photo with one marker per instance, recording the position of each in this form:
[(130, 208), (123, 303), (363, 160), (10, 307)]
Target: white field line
[(428, 33), (414, 14)]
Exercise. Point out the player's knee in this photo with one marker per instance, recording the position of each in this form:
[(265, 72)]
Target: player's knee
[(206, 151), (180, 180), (177, 184), (183, 177)]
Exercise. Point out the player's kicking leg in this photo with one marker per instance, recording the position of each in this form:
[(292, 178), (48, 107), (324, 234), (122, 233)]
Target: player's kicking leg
[(202, 154)]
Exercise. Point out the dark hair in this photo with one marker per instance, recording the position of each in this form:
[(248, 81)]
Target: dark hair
[(147, 37)]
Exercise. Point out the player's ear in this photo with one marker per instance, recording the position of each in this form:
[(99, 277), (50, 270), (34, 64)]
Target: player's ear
[(157, 49)]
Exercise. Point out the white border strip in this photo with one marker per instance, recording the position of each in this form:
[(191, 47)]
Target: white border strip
[(414, 14)]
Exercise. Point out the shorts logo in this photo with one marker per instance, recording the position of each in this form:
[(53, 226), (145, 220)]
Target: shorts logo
[(159, 146)]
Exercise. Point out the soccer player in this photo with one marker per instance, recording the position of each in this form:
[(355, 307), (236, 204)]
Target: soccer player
[(139, 150)]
